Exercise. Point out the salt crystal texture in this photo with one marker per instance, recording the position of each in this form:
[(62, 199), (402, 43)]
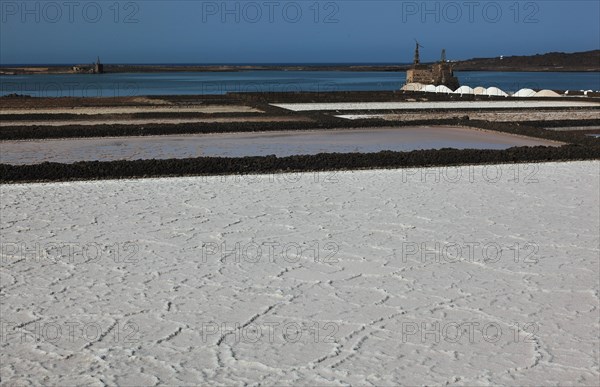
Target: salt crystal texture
[(160, 305)]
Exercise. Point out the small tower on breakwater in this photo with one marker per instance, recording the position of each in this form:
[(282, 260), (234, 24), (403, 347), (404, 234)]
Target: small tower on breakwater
[(98, 67)]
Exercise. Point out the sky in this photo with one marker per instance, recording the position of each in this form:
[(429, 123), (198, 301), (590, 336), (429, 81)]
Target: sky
[(273, 31)]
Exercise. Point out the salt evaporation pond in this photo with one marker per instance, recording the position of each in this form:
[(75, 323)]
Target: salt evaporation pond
[(282, 143), (154, 311)]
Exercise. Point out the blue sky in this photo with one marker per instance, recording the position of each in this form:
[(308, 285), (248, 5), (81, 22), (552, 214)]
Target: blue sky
[(265, 31)]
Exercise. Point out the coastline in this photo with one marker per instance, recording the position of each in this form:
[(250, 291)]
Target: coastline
[(588, 61), (120, 69)]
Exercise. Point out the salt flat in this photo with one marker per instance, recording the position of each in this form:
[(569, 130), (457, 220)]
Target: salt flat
[(465, 276), (208, 109), (100, 120), (509, 104), (494, 115), (279, 143)]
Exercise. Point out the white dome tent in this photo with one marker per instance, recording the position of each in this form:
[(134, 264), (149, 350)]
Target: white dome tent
[(524, 93), (428, 89), (443, 89), (464, 90), (479, 91), (495, 92), (412, 87), (490, 91)]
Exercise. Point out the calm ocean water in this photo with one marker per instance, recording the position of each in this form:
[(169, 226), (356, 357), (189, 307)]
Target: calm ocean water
[(135, 84)]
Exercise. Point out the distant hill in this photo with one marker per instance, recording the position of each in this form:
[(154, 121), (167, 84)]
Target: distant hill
[(553, 61)]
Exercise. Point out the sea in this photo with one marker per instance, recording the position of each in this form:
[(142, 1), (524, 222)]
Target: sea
[(217, 83)]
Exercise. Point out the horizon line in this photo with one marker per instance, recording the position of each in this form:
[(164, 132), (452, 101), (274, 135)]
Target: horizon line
[(396, 63)]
